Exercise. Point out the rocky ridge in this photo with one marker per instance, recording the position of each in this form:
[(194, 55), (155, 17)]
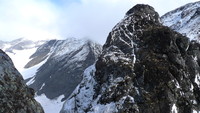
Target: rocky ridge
[(145, 67), (53, 68), (65, 62), (185, 20), (15, 96)]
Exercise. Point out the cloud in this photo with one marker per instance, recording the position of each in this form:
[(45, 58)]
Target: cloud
[(27, 18), (94, 19)]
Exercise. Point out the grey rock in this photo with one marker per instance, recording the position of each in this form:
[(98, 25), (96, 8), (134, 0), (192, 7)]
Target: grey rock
[(145, 67), (62, 73), (15, 96)]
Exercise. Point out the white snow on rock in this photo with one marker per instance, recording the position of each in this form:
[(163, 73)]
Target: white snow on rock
[(50, 106), (86, 96), (184, 20), (31, 81), (21, 57), (82, 99), (197, 80), (174, 109), (30, 72)]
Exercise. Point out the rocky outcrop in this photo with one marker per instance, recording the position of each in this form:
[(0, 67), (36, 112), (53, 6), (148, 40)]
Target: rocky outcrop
[(15, 96), (145, 67)]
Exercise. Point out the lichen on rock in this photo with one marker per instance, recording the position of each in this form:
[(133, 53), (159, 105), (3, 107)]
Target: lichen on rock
[(15, 96)]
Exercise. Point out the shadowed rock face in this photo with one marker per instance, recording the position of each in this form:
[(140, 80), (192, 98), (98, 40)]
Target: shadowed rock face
[(60, 74), (15, 96), (145, 67)]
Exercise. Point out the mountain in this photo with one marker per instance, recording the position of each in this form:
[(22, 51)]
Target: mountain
[(53, 68), (15, 96), (185, 19), (20, 50), (65, 62), (19, 44), (144, 67), (56, 68)]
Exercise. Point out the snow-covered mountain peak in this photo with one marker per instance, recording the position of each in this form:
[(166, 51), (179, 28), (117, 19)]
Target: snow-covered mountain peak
[(57, 66), (62, 47), (185, 19)]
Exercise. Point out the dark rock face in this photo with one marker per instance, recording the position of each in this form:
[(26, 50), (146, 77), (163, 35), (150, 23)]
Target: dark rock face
[(15, 96), (41, 54), (60, 74), (145, 67)]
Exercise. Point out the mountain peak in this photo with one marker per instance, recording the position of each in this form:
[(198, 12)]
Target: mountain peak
[(145, 67), (141, 8), (137, 19)]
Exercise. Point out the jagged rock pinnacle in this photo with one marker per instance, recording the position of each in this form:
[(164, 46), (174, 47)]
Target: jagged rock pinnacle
[(145, 67)]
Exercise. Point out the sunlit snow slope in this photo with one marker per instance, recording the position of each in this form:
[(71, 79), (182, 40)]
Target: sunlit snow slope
[(185, 19)]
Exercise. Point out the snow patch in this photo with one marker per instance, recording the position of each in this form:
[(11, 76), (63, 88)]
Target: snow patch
[(174, 109), (197, 79), (30, 72), (31, 81), (194, 111), (21, 57), (42, 86), (108, 108), (86, 87), (50, 106)]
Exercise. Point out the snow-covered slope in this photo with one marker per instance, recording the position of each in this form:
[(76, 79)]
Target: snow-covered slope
[(144, 67), (53, 68), (20, 51), (50, 105), (61, 64), (185, 20)]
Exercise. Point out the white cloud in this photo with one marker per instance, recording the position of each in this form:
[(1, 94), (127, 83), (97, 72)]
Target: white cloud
[(93, 19), (39, 19), (96, 18), (27, 18)]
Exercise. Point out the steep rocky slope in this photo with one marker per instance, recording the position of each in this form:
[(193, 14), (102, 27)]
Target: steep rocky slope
[(145, 67), (15, 96), (53, 67), (58, 66), (64, 66), (185, 19)]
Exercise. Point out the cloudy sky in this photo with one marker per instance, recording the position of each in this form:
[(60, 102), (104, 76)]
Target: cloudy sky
[(50, 19)]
